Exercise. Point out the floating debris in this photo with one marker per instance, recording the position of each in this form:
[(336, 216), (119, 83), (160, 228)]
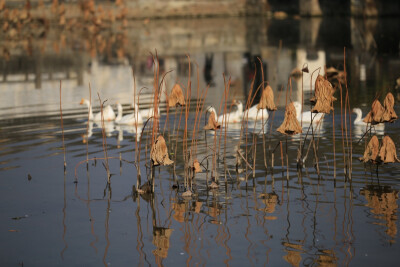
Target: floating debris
[(389, 115), (290, 125), (267, 99), (176, 97), (323, 96), (159, 152), (372, 151), (376, 113), (387, 153), (212, 122)]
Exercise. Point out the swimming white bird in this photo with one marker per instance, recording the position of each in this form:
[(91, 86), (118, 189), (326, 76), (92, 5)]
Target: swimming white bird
[(108, 112), (148, 112), (254, 113), (130, 119), (359, 121), (233, 116), (307, 115)]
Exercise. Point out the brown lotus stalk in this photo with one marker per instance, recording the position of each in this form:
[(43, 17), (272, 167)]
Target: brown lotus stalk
[(267, 99), (323, 96), (176, 97), (372, 150), (196, 166), (376, 113), (387, 153), (212, 122), (290, 125), (389, 115), (159, 152)]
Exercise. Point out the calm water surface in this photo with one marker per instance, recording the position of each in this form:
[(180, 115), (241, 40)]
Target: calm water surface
[(281, 216)]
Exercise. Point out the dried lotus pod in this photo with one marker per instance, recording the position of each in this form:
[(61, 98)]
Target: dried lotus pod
[(290, 125), (212, 122), (196, 166), (267, 99), (376, 113), (372, 151), (159, 152), (176, 97), (389, 115), (323, 96), (387, 153)]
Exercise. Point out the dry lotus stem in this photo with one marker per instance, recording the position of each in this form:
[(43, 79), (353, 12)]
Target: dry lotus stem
[(290, 125), (267, 99), (159, 152), (376, 113), (176, 97), (196, 166), (212, 122), (387, 153), (323, 97), (389, 115), (372, 150)]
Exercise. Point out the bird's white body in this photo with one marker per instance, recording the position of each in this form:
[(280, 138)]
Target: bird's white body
[(232, 117), (130, 119), (362, 126), (307, 116), (108, 112), (254, 113)]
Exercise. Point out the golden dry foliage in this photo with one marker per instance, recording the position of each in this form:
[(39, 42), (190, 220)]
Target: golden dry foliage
[(372, 151), (290, 124), (179, 211), (212, 122), (389, 115), (323, 97), (196, 166), (293, 251), (387, 153), (267, 99), (327, 259), (161, 238), (159, 152), (176, 97), (2, 4), (376, 113)]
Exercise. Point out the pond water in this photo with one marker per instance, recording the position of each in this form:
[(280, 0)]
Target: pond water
[(265, 211)]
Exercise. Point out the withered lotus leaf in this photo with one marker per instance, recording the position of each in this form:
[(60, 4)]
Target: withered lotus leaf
[(389, 115), (290, 125), (212, 122), (387, 153), (267, 99), (176, 97), (376, 113), (372, 151), (159, 152), (323, 97)]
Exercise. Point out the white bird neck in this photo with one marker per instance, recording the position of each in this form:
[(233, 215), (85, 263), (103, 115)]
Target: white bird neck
[(87, 103), (120, 112), (359, 115)]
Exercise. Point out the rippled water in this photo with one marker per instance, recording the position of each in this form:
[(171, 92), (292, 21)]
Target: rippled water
[(280, 216)]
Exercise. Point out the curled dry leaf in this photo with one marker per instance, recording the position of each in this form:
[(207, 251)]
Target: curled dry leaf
[(267, 99), (387, 153), (372, 151), (290, 124), (159, 152), (376, 113), (389, 115), (323, 97), (176, 97), (212, 122)]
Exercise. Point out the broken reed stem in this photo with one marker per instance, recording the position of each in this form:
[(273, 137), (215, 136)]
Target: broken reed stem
[(334, 146), (185, 133), (341, 126), (87, 126), (262, 120), (137, 145), (347, 90), (103, 132), (62, 130)]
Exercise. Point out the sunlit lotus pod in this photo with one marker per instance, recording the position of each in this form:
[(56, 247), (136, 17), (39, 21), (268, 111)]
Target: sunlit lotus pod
[(372, 151), (323, 97), (387, 153), (159, 152), (267, 99), (389, 115), (212, 122), (376, 113), (176, 97), (290, 125)]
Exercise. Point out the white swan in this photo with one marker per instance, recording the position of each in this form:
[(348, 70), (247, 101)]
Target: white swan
[(233, 116), (254, 113), (130, 119), (360, 125), (108, 112), (307, 116), (148, 112)]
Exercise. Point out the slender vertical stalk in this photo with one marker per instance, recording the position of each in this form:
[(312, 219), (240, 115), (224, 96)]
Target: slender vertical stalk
[(62, 130)]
